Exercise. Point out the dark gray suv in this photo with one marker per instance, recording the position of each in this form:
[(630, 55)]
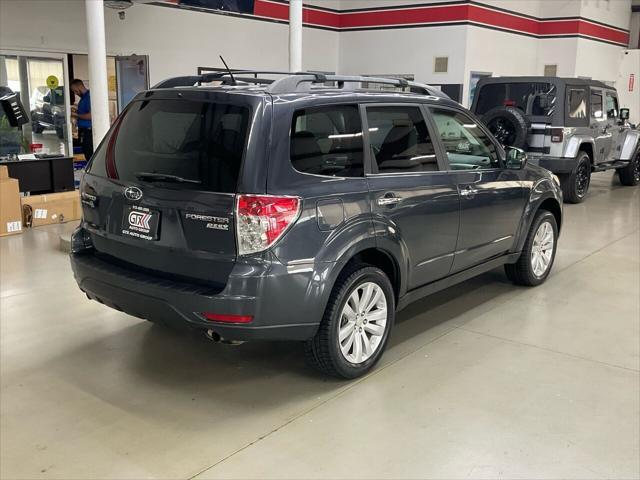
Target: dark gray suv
[(305, 208)]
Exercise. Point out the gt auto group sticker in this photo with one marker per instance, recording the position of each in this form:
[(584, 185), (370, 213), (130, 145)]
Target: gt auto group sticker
[(138, 222)]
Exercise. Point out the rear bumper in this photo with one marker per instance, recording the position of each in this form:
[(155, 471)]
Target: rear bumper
[(283, 304), (555, 164)]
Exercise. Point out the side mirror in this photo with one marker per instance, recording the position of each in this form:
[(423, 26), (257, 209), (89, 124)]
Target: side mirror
[(516, 158), (624, 114)]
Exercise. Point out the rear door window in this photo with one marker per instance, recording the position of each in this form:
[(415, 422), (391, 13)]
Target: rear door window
[(200, 143), (327, 140), (577, 103), (400, 140)]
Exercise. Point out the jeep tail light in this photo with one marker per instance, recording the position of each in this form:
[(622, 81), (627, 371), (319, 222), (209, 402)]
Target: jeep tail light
[(225, 318), (557, 134), (509, 103), (262, 219)]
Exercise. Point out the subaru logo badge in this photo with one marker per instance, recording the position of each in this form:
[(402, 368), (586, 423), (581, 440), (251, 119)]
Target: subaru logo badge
[(133, 193)]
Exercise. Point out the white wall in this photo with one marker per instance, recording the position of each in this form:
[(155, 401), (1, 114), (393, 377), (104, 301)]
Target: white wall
[(405, 51), (177, 41), (560, 52), (499, 53), (51, 25), (599, 61), (611, 12), (630, 64)]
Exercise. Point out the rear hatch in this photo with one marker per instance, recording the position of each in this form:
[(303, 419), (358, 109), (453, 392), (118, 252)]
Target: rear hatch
[(159, 193)]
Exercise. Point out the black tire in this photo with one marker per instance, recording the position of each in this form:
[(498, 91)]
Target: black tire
[(509, 125), (323, 351), (522, 272), (630, 175), (36, 127), (60, 133), (575, 185)]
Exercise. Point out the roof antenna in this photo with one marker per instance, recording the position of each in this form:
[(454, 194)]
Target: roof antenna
[(228, 70)]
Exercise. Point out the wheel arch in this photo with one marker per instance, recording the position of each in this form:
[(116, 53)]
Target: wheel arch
[(381, 259), (588, 149), (546, 201), (578, 143), (552, 205)]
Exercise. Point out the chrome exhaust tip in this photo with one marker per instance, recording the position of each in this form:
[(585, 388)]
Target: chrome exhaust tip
[(213, 336), (216, 338)]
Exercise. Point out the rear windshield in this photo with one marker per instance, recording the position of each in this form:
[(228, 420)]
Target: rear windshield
[(200, 142), (533, 98)]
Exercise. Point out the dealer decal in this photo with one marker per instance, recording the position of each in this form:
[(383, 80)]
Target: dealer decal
[(140, 222)]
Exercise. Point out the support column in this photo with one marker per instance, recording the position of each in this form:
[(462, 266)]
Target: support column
[(25, 96), (295, 35), (97, 69)]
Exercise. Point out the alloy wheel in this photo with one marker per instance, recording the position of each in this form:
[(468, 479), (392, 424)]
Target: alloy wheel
[(542, 249), (363, 322), (582, 180)]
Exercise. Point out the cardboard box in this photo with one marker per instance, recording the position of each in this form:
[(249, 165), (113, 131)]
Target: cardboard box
[(51, 208), (10, 209)]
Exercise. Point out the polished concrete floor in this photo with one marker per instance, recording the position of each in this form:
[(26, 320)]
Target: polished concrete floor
[(484, 380)]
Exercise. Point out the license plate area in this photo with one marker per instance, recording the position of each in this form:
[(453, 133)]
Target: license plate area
[(140, 222)]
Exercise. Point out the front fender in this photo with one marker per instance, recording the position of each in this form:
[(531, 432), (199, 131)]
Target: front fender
[(628, 143), (540, 190), (572, 146)]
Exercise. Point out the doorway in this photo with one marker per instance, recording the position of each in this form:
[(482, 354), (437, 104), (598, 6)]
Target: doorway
[(41, 80)]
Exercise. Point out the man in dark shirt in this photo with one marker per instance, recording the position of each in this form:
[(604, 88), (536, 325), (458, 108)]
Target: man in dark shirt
[(83, 116)]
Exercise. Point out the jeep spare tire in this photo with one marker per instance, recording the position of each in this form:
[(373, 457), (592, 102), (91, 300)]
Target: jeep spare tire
[(509, 125)]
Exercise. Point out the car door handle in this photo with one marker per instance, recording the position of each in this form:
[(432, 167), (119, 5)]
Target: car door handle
[(388, 201), (468, 192)]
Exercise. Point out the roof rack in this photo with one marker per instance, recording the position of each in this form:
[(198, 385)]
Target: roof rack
[(223, 76), (295, 82)]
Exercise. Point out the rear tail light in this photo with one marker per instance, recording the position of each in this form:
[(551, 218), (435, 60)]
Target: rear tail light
[(219, 317), (557, 134), (509, 103), (262, 219)]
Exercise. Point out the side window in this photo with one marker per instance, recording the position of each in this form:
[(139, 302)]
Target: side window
[(577, 103), (467, 146), (596, 105), (327, 140), (612, 106), (400, 141)]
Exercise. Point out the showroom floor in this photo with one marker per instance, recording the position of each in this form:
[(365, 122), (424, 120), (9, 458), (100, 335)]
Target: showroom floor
[(483, 380)]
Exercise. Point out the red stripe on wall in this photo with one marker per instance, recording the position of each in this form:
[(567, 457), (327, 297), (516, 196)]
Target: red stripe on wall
[(503, 20), (380, 18), (442, 14)]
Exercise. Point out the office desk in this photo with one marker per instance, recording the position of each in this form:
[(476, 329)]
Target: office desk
[(42, 175)]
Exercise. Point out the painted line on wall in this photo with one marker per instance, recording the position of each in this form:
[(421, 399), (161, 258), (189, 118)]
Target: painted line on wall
[(453, 13)]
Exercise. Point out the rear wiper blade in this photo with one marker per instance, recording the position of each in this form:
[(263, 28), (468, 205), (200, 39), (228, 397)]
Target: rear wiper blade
[(163, 177)]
